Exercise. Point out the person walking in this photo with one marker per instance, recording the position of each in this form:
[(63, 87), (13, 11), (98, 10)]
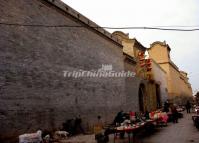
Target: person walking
[(166, 106), (174, 114), (188, 106)]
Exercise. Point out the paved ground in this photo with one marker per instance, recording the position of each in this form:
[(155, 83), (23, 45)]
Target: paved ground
[(182, 132)]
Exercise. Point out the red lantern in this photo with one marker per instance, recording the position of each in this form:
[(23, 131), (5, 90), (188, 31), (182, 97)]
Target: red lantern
[(141, 54), (148, 64), (142, 64)]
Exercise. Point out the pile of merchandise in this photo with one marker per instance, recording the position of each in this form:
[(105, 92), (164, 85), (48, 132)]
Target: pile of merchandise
[(159, 116)]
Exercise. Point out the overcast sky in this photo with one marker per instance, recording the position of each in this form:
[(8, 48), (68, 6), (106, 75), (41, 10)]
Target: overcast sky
[(122, 13)]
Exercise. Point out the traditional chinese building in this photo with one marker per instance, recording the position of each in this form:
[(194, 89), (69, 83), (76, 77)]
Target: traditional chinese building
[(153, 88), (178, 84)]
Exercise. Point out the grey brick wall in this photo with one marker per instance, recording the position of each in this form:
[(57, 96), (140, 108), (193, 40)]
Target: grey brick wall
[(131, 87), (33, 92)]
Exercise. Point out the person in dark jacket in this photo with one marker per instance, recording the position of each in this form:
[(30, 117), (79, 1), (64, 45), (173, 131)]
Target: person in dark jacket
[(166, 106), (174, 114), (120, 117), (188, 107)]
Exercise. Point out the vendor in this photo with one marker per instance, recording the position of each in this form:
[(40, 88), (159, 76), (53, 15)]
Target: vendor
[(174, 114), (166, 106), (120, 117), (146, 115)]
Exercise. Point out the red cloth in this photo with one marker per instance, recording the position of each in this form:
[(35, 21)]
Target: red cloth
[(132, 114)]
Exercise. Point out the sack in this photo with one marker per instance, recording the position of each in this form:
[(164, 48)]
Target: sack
[(31, 138)]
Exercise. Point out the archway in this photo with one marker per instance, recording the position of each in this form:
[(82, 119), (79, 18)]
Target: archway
[(142, 92), (158, 96)]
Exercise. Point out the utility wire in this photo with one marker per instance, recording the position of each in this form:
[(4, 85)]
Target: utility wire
[(78, 26), (190, 26), (154, 28)]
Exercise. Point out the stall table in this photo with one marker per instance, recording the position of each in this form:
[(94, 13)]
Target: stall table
[(132, 129)]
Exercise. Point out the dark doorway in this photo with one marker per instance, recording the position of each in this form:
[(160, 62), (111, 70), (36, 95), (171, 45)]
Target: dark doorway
[(158, 98), (141, 97)]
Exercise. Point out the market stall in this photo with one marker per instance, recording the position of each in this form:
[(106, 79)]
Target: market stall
[(131, 126)]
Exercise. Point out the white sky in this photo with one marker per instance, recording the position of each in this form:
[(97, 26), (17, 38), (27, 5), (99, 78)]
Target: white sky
[(121, 13)]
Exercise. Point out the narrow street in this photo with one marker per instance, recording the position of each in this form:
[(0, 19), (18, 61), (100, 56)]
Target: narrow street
[(76, 71), (182, 132)]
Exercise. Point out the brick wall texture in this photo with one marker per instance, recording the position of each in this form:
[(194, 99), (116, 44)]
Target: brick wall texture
[(33, 92)]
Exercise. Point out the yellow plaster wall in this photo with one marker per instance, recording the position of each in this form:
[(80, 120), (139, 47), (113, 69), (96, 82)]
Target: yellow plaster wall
[(176, 86), (128, 47), (174, 81), (159, 53)]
